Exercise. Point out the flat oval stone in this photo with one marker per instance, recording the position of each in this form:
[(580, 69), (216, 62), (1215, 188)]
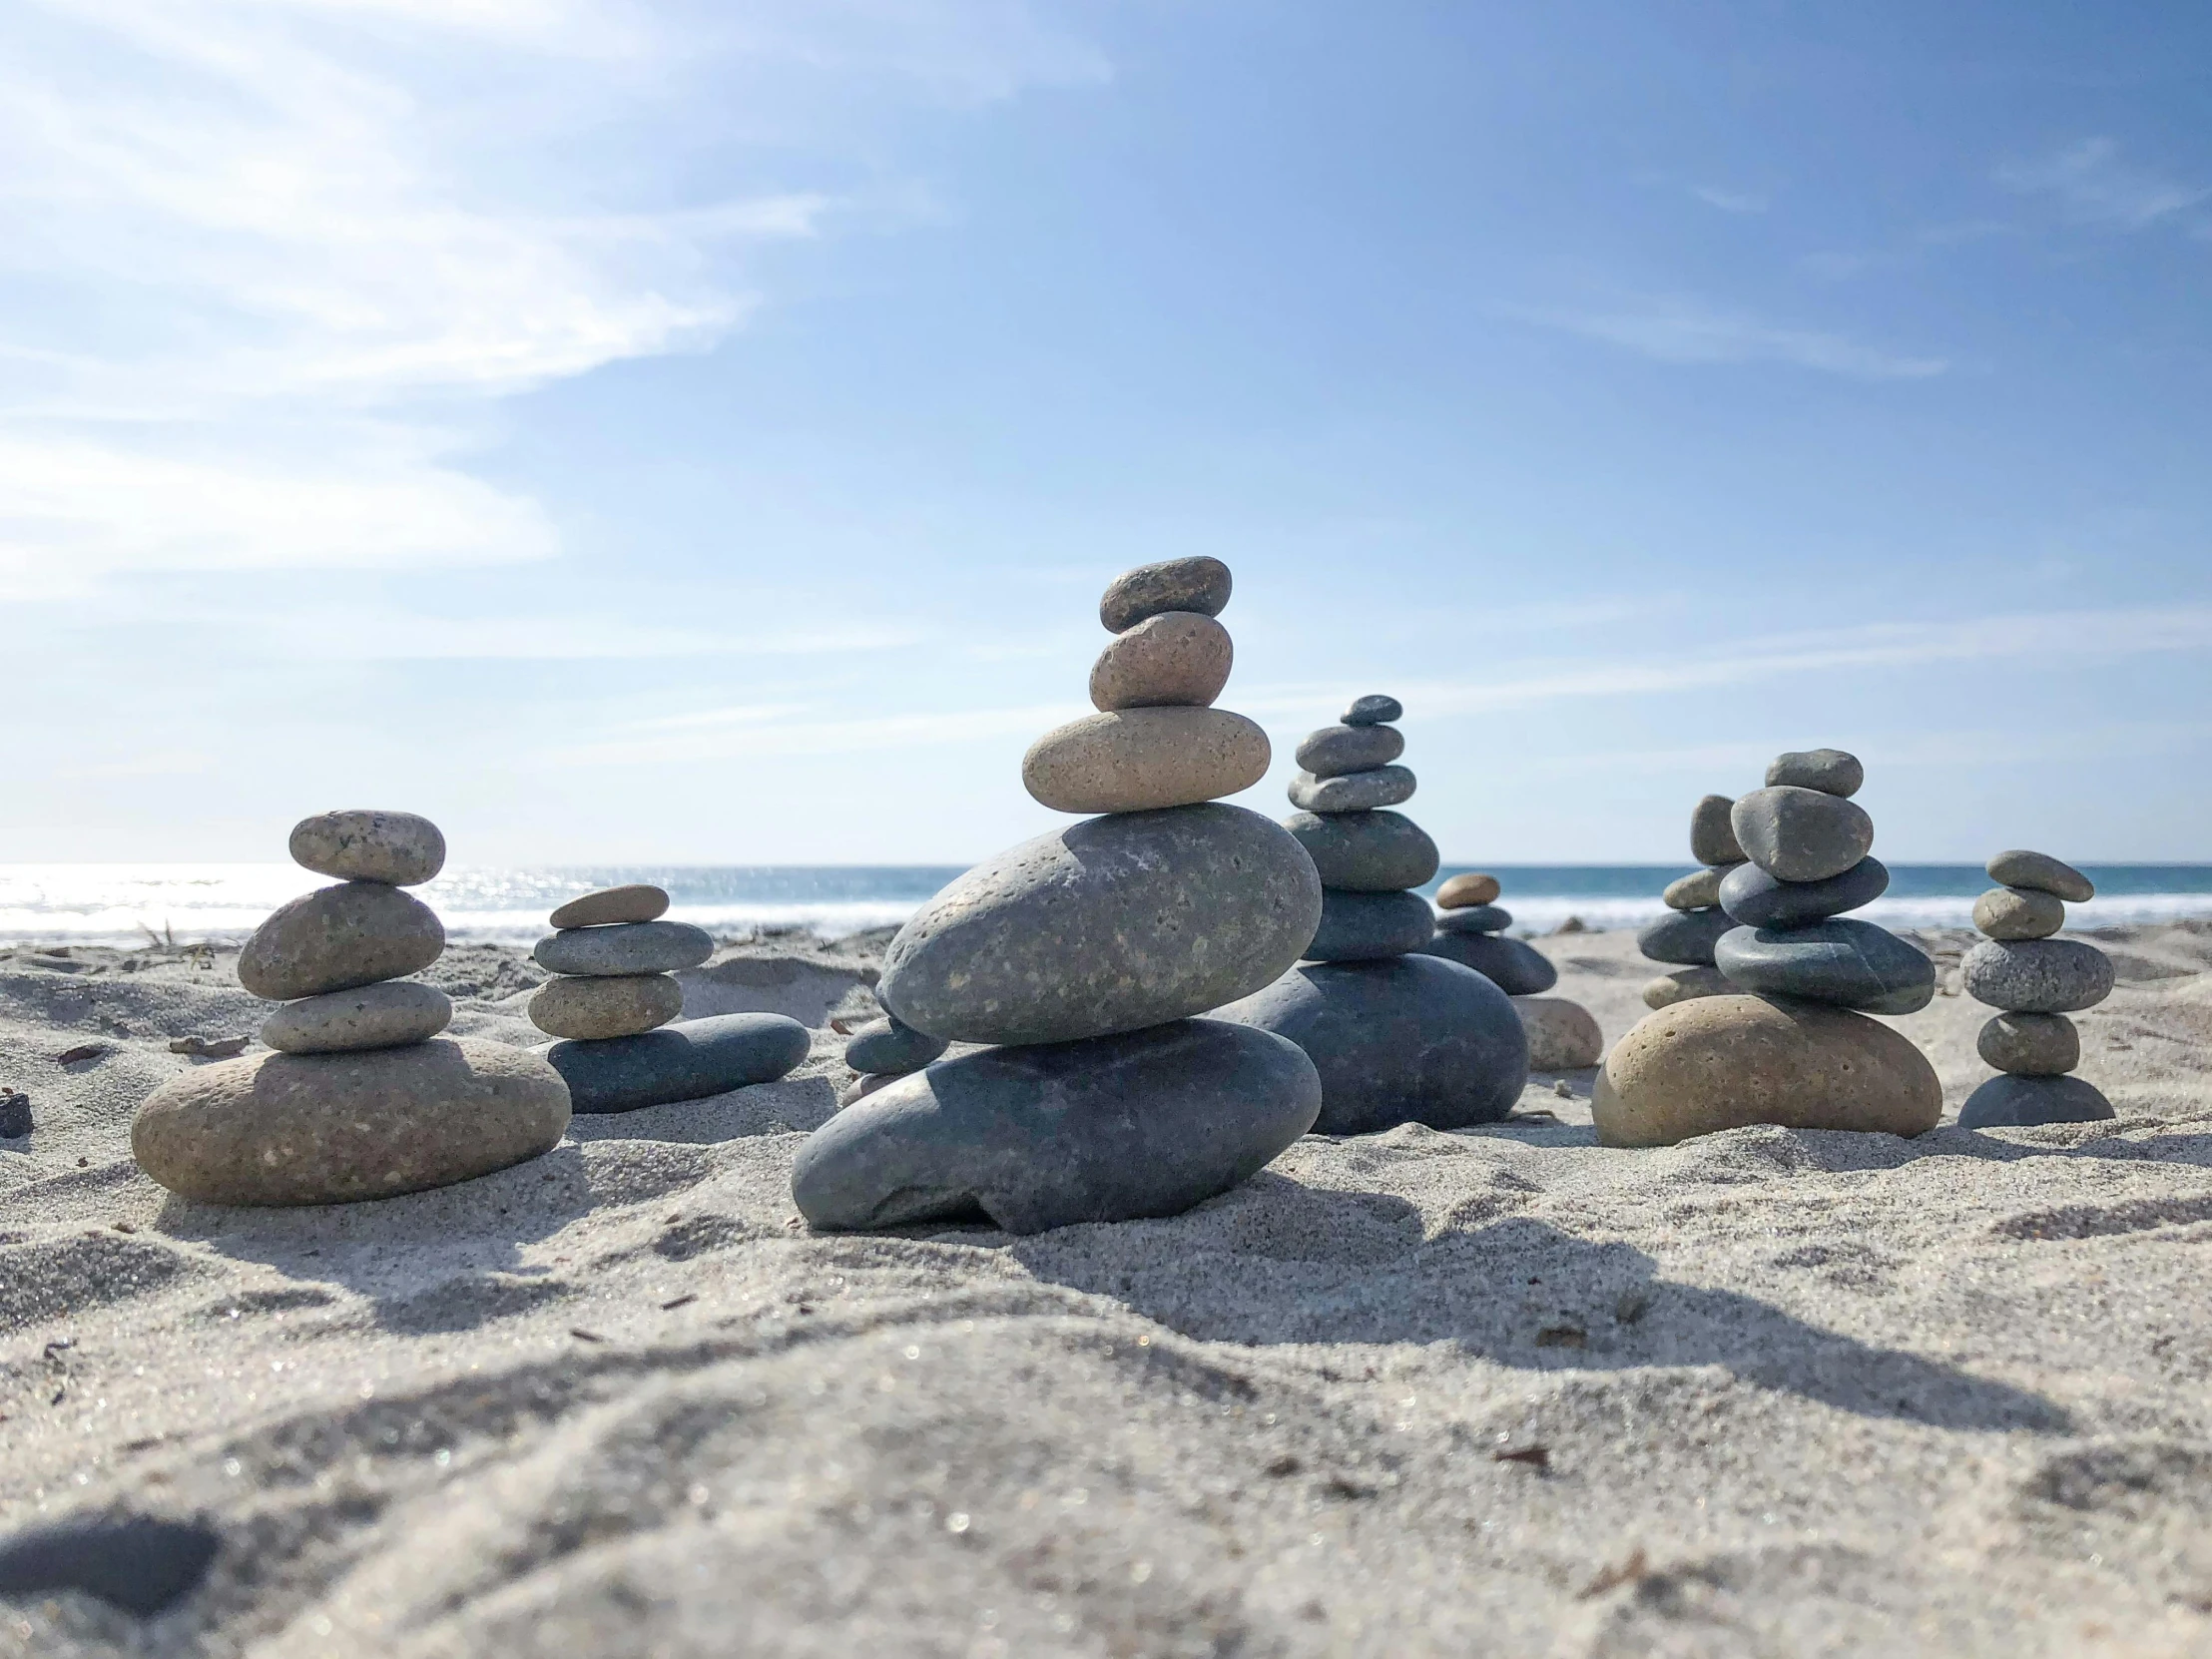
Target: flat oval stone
[(1144, 760), (1515, 967), (2030, 1045), (1852, 965), (362, 844), (1373, 710), (1756, 899), (1698, 890), (1712, 834), (1410, 1039), (892, 1047), (2019, 914), (2006, 1102), (335, 938), (1683, 984), (1335, 751), (2037, 976), (1365, 927), (1175, 659), (1684, 936), (1798, 834), (1474, 918), (279, 1128), (1829, 770), (596, 1008), (686, 1061), (626, 947), (1562, 1035), (1725, 1062), (369, 1017), (1196, 583), (1357, 792), (637, 901), (1143, 1123), (1106, 925), (1378, 851), (2040, 871), (1461, 892)]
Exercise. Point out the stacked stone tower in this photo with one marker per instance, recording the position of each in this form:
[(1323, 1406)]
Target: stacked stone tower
[(1082, 957), (2034, 981), (1471, 932)]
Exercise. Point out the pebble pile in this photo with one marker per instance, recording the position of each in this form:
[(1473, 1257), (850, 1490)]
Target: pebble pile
[(614, 962), (2034, 981), (1562, 1035), (1683, 941), (1798, 1050), (1082, 957), (1401, 1031), (361, 1098)]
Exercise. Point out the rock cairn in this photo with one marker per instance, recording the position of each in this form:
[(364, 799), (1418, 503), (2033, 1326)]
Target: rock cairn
[(614, 989), (1562, 1035), (1400, 1032), (1798, 1050), (2034, 981), (1683, 941), (1081, 958), (362, 1097)]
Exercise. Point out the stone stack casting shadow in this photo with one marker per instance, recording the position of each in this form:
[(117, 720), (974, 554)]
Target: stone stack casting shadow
[(1083, 956), (1471, 929), (364, 1098), (1683, 939), (1400, 1033), (2034, 981)]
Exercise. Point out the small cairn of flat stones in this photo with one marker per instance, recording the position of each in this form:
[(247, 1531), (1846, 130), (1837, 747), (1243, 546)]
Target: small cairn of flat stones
[(361, 1098), (1684, 940), (1562, 1035), (615, 962), (2035, 981), (1080, 958)]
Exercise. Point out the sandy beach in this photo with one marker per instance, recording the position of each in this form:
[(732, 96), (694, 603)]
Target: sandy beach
[(1498, 1391)]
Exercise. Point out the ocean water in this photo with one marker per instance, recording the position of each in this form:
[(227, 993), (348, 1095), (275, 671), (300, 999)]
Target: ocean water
[(123, 903)]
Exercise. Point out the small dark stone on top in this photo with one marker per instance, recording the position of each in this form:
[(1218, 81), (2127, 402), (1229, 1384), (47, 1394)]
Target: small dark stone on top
[(1197, 584), (1373, 710), (1829, 770)]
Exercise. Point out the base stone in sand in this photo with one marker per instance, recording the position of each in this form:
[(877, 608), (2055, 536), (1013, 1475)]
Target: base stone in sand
[(686, 1061), (2006, 1102)]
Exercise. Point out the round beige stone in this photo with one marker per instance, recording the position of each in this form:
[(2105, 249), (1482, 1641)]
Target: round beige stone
[(1141, 760), (637, 901), (360, 844), (1683, 983), (1463, 892), (1175, 659), (617, 1006), (367, 1016), (334, 938), (1699, 891), (1722, 1062), (279, 1128), (2030, 1045), (1562, 1035), (2019, 914)]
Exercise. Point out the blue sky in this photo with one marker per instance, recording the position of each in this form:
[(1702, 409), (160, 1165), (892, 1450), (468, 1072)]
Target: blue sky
[(700, 432)]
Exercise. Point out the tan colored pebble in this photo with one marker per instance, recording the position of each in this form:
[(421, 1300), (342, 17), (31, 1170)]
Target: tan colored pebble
[(331, 940), (1177, 658), (639, 902), (864, 1086), (2022, 868), (1140, 759), (593, 1008), (2030, 1045), (1725, 1062), (1562, 1035), (1684, 983), (1699, 891), (2019, 914), (1464, 891), (360, 844)]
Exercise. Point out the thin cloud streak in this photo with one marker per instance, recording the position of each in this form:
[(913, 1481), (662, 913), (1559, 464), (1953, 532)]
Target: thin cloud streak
[(2095, 187), (1675, 332)]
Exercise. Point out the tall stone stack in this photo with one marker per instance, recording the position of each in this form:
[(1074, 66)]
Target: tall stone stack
[(361, 1098), (1683, 940), (2034, 981), (613, 996), (1398, 1033), (1798, 1050), (1082, 957)]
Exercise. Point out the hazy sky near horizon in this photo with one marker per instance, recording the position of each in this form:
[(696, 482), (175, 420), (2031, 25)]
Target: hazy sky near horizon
[(700, 432)]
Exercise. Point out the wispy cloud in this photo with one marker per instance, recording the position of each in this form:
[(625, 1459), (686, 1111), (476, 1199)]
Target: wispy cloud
[(1678, 331), (2096, 186), (753, 731), (1729, 200)]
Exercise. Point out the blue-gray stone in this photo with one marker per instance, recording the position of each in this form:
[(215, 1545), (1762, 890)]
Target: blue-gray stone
[(892, 1048), (1829, 770), (1380, 852), (1852, 965), (684, 1061), (2037, 976), (1143, 1123), (1111, 924), (15, 1115), (1413, 1039), (1373, 710), (138, 1563), (2006, 1101), (1800, 835), (625, 949), (1362, 926), (1474, 918), (1198, 583), (1756, 899), (1336, 749), (1514, 967), (1352, 792), (1686, 938), (2040, 872)]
